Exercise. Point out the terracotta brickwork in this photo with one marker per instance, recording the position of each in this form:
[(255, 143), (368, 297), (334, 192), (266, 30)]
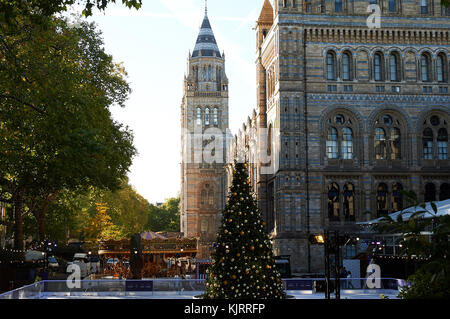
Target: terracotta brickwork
[(361, 114), (204, 108)]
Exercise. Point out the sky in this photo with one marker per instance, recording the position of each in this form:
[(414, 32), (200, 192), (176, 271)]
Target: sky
[(153, 44)]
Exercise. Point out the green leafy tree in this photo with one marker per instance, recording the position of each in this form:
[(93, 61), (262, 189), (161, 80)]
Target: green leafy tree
[(165, 218), (74, 213), (56, 87), (243, 266), (128, 209), (68, 214), (12, 8), (432, 280)]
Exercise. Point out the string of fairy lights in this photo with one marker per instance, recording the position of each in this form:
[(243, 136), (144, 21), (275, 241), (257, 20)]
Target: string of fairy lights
[(404, 257), (18, 253)]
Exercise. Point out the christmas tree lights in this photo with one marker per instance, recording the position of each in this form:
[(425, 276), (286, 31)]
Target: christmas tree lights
[(243, 265)]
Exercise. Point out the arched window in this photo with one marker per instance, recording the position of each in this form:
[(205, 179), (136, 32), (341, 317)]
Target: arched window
[(269, 141), (333, 202), (380, 144), (340, 134), (378, 66), (349, 202), (331, 66), (435, 138), (199, 116), (203, 197), (211, 198), (392, 5), (394, 67), (442, 144), (339, 119), (205, 73), (427, 142), (397, 197), (441, 68), (216, 116), (347, 143), (424, 6), (218, 76), (337, 5), (207, 122), (332, 143), (425, 67), (396, 152), (444, 192), (209, 73), (388, 137), (430, 192), (445, 11), (346, 66), (307, 6), (382, 202)]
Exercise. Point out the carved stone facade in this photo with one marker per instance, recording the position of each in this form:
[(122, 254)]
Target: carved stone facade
[(360, 113), (204, 110)]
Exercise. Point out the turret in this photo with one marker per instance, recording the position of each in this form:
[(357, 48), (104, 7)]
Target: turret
[(206, 66)]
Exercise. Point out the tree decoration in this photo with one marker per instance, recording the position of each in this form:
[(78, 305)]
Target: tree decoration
[(243, 266)]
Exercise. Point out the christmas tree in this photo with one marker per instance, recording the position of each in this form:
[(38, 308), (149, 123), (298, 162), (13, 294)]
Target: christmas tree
[(242, 265)]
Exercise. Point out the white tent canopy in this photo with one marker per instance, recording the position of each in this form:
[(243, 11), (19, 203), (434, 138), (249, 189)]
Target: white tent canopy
[(31, 255), (443, 208)]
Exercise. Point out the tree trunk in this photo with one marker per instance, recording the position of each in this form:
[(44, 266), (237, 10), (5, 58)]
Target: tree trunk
[(18, 220), (41, 227), (41, 216)]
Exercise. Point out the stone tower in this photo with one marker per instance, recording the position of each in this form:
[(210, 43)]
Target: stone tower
[(204, 122)]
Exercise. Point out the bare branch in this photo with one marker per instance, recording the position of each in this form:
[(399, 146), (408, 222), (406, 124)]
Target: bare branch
[(6, 96)]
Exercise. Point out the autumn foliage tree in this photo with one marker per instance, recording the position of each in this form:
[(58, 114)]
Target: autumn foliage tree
[(92, 214)]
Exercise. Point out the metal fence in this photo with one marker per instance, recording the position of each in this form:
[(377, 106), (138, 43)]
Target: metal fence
[(172, 287), (345, 283)]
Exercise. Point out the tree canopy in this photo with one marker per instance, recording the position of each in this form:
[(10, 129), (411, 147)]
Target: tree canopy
[(92, 214), (56, 86), (13, 8), (432, 280), (165, 217)]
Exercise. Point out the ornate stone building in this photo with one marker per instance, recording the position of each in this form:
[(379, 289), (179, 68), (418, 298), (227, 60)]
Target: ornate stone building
[(353, 114), (204, 116)]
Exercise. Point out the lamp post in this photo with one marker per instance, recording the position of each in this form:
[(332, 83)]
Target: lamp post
[(332, 242), (327, 266), (46, 255)]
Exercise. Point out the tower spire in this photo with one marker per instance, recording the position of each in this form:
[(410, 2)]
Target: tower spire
[(206, 44)]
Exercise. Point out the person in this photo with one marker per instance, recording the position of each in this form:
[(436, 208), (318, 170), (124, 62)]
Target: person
[(38, 277), (349, 282), (93, 268), (344, 275)]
